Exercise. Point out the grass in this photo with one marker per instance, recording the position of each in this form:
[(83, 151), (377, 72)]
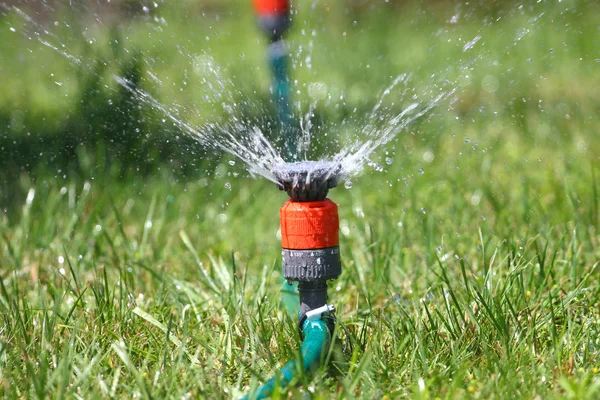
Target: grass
[(470, 264), (163, 291)]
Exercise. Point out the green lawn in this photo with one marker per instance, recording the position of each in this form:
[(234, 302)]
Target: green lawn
[(470, 263)]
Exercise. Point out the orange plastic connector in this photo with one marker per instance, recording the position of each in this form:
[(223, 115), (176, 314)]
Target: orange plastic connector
[(271, 7), (309, 225)]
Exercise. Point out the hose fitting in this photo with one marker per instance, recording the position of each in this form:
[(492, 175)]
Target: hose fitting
[(310, 240), (310, 249), (273, 17), (309, 231)]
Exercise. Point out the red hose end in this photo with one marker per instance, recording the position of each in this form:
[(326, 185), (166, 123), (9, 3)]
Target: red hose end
[(309, 225), (271, 7)]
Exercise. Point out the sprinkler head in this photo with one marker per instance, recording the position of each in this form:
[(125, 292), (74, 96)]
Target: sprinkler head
[(307, 180)]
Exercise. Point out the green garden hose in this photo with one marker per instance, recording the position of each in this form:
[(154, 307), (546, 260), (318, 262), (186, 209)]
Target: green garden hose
[(315, 344)]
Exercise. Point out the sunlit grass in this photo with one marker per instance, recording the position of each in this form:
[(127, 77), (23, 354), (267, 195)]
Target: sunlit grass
[(453, 285), (470, 264)]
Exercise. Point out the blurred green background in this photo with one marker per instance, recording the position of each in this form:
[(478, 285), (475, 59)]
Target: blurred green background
[(532, 69)]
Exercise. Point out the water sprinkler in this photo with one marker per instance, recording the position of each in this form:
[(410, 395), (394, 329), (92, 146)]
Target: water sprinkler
[(309, 230), (311, 257)]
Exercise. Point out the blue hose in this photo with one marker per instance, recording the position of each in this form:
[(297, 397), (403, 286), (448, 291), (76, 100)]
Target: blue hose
[(279, 59), (316, 342)]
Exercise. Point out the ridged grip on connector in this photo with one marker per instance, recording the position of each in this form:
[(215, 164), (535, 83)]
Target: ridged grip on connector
[(311, 265)]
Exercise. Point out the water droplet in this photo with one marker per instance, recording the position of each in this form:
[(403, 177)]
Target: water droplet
[(348, 184), (389, 160), (317, 91), (232, 162), (228, 186), (467, 140), (470, 44), (30, 196), (428, 156), (490, 83), (423, 210), (358, 211), (421, 171)]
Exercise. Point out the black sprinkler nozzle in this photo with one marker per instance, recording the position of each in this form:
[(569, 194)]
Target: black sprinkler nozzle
[(307, 180)]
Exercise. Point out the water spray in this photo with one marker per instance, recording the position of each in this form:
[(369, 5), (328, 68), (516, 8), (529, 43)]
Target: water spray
[(311, 257)]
